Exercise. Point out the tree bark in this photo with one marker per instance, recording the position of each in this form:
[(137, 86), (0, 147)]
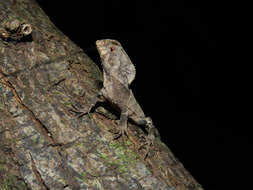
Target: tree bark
[(42, 144)]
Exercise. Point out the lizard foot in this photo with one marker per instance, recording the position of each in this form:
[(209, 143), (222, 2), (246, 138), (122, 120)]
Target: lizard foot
[(78, 112), (149, 142), (152, 135), (149, 145), (122, 132), (122, 125)]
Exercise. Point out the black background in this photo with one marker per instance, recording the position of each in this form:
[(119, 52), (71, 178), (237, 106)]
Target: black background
[(176, 48)]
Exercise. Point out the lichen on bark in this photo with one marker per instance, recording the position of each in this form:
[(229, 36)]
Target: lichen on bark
[(42, 144)]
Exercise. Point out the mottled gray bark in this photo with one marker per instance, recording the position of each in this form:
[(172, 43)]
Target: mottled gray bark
[(42, 144)]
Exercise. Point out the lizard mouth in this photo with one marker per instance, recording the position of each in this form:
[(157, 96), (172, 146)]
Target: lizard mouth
[(101, 47), (99, 43)]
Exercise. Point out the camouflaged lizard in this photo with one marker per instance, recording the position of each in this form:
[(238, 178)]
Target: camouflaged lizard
[(118, 73)]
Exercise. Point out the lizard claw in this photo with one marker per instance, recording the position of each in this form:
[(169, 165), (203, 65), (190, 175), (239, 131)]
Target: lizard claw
[(78, 113), (122, 132), (149, 143)]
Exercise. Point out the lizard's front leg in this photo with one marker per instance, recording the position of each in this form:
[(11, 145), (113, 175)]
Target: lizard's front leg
[(123, 123), (94, 101)]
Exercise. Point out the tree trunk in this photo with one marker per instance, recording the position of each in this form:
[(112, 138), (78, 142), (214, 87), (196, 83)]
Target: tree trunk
[(42, 144)]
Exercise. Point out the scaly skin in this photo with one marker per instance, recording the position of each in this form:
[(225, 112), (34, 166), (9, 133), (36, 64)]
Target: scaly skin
[(118, 73)]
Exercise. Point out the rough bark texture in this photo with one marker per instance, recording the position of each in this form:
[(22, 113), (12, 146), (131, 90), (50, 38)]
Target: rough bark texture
[(42, 145)]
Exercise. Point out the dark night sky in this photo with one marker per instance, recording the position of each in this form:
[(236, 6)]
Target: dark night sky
[(176, 50)]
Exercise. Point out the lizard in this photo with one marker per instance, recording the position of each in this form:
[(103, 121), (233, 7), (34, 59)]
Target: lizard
[(118, 74)]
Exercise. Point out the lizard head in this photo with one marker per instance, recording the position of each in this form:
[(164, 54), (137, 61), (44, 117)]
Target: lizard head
[(115, 60), (107, 47)]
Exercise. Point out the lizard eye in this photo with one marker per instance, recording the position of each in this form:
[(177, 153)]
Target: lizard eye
[(112, 49)]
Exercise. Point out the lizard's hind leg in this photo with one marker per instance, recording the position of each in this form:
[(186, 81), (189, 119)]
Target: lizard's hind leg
[(152, 134)]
